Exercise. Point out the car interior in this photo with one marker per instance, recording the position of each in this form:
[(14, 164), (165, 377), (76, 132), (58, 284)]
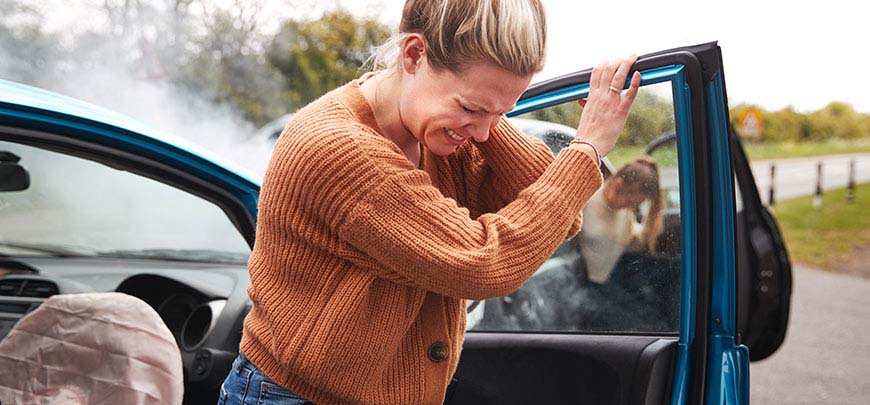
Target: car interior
[(80, 216), (201, 294), (202, 298), (199, 289)]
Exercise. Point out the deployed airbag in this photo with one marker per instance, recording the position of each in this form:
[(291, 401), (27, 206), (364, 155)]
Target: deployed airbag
[(91, 348)]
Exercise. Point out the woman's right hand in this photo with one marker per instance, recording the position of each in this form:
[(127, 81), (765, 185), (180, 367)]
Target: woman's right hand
[(606, 108)]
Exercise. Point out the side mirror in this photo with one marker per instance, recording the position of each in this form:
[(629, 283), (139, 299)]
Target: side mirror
[(13, 177)]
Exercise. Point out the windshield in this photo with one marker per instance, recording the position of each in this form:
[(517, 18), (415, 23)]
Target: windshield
[(76, 207)]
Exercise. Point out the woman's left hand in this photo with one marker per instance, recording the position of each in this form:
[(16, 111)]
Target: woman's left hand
[(606, 109)]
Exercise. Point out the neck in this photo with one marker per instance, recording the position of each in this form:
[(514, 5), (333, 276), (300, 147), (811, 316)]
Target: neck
[(382, 91)]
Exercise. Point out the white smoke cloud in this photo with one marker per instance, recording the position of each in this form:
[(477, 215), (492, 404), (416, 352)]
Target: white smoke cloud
[(114, 74)]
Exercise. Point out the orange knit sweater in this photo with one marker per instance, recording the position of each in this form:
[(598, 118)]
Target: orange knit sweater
[(363, 262)]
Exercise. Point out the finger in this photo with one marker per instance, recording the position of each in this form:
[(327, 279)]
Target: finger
[(594, 79), (632, 91), (622, 72), (607, 74)]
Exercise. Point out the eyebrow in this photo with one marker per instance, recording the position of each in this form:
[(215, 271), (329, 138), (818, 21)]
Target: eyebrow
[(482, 108)]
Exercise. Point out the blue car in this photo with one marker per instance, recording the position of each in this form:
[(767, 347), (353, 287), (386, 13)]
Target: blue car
[(94, 201)]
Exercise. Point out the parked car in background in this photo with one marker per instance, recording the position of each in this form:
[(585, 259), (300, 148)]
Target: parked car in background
[(94, 201), (272, 130)]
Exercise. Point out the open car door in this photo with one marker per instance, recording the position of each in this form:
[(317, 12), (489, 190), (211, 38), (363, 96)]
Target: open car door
[(608, 320)]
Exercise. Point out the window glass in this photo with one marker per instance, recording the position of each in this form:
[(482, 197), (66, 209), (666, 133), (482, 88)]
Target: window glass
[(78, 207), (621, 273)]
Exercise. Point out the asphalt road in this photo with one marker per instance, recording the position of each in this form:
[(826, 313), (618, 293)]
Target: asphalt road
[(825, 358), (797, 177)]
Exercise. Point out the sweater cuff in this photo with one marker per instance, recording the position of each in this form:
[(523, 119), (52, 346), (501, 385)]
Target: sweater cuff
[(576, 173)]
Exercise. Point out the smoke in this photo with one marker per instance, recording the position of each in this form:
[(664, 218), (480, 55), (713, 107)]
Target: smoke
[(94, 207), (119, 69), (216, 126), (126, 66)]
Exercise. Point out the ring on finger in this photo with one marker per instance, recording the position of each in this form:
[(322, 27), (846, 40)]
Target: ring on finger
[(615, 90)]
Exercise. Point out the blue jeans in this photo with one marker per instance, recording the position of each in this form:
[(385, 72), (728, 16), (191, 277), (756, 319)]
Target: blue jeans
[(246, 385)]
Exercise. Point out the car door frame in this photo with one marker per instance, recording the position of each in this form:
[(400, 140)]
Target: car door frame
[(707, 279), (54, 122)]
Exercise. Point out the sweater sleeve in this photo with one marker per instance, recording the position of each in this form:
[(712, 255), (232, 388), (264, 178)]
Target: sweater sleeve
[(415, 236), (514, 162)]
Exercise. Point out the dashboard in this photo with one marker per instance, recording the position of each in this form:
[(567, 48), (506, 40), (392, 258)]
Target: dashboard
[(202, 304)]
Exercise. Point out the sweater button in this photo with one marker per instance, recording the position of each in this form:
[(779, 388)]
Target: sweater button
[(438, 352)]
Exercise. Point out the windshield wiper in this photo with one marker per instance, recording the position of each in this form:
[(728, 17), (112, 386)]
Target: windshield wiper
[(46, 248), (180, 255)]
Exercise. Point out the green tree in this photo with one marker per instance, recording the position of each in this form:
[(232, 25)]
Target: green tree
[(566, 114), (226, 63), (785, 125), (835, 120), (650, 117), (317, 56)]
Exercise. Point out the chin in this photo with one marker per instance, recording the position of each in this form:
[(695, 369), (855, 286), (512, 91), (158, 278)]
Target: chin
[(440, 147), (443, 150)]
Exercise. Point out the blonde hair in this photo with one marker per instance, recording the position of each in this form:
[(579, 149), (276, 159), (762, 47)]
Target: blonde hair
[(642, 176), (510, 34)]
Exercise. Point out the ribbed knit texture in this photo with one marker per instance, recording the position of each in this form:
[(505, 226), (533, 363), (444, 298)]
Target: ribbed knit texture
[(362, 261)]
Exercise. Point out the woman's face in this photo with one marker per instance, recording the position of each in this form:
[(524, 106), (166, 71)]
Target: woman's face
[(443, 110)]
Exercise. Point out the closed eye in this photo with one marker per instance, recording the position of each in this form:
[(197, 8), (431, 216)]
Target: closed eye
[(468, 110)]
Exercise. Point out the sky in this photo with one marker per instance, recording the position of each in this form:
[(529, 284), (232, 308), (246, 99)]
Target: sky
[(775, 53)]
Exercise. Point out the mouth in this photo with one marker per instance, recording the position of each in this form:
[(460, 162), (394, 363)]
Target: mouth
[(453, 137)]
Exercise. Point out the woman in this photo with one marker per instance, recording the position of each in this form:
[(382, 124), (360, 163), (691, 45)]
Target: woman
[(391, 200), (612, 226)]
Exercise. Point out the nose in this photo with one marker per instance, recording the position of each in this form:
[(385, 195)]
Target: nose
[(480, 127)]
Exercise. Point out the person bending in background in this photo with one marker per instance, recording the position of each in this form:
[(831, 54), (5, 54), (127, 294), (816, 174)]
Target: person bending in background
[(611, 226)]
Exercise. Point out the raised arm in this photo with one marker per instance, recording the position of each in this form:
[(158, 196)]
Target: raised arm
[(416, 236), (514, 161)]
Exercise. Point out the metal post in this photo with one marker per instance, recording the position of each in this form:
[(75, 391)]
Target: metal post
[(770, 197), (850, 189), (817, 200)]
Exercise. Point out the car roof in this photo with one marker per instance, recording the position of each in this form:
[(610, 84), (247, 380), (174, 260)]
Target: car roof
[(273, 128), (34, 98), (538, 128)]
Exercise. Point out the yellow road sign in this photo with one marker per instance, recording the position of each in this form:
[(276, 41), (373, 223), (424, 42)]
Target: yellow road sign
[(750, 123)]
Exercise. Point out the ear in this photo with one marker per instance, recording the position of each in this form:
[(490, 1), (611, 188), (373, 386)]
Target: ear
[(413, 52)]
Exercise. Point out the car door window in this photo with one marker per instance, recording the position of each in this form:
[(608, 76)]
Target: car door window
[(77, 207), (621, 273)]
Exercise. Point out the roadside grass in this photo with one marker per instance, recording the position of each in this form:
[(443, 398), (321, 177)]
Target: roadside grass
[(665, 157), (826, 238), (779, 150), (755, 151)]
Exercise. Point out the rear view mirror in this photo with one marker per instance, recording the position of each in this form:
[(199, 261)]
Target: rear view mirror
[(13, 177)]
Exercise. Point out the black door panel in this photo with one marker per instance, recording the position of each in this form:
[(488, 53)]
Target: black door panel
[(511, 368), (763, 267)]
